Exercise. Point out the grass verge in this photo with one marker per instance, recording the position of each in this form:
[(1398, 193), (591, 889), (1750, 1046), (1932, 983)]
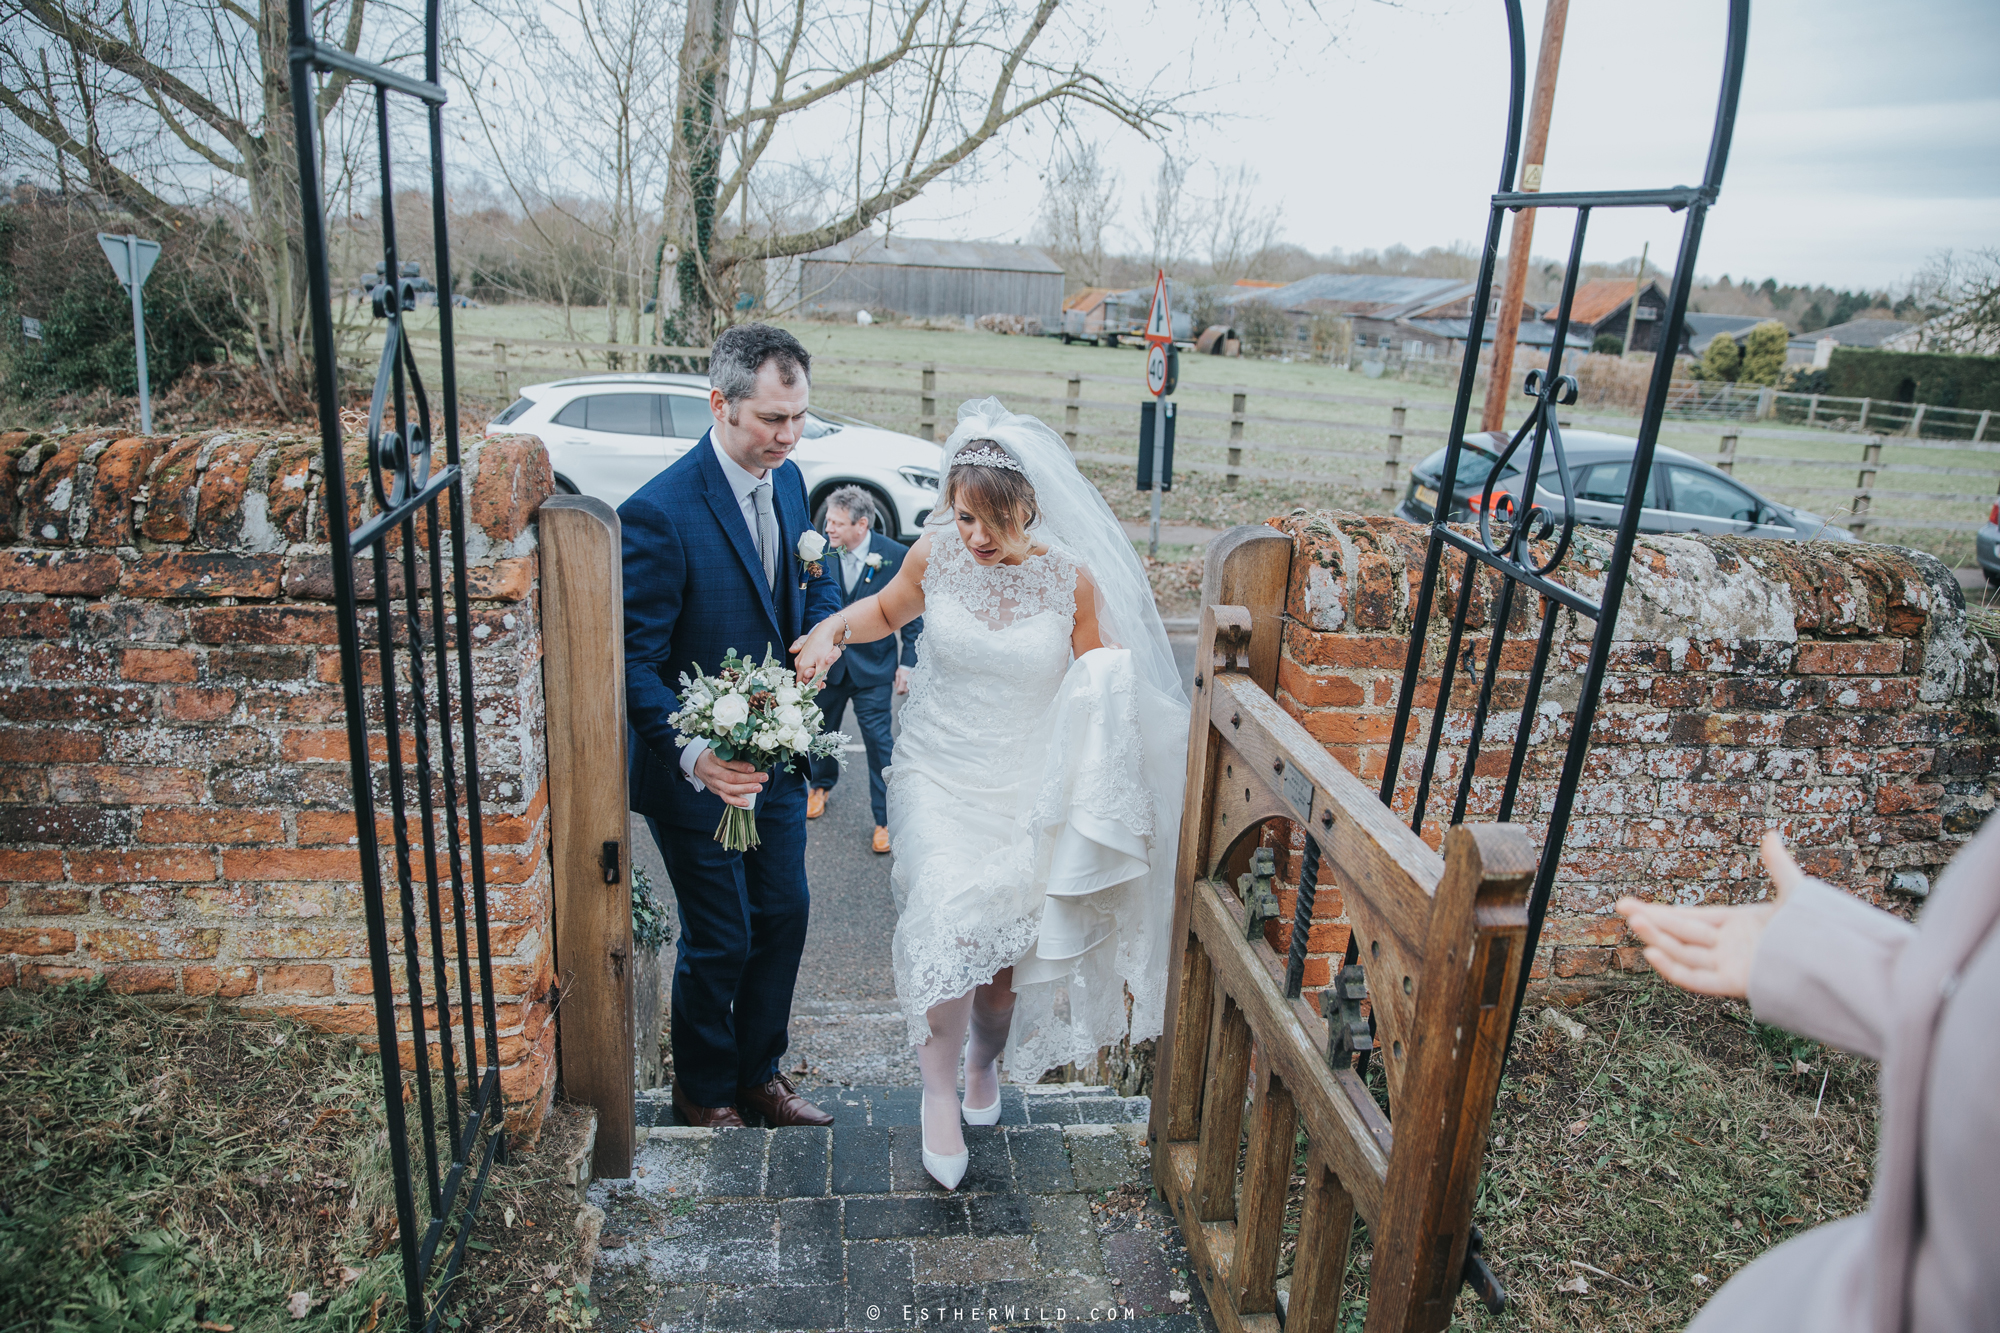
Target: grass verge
[(173, 1171)]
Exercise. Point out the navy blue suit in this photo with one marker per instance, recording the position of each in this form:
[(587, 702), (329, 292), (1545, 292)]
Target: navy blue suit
[(695, 588), (864, 675)]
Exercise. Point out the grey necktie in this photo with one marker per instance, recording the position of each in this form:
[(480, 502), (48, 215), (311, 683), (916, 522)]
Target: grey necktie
[(767, 532)]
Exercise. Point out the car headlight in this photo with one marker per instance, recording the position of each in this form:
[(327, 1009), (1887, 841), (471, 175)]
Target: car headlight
[(922, 478)]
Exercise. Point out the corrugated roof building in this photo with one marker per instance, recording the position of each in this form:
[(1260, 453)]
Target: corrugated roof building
[(922, 279)]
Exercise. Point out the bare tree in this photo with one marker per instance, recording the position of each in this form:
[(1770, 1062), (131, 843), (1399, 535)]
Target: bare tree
[(923, 86), (577, 136), (1239, 233), (1077, 209), (1169, 221), (179, 111), (1967, 287)]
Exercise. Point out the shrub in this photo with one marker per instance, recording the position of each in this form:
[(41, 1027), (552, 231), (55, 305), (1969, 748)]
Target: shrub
[(1720, 359), (1764, 353), (1608, 344), (52, 268)]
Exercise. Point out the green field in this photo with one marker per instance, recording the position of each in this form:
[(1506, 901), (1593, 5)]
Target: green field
[(1314, 434)]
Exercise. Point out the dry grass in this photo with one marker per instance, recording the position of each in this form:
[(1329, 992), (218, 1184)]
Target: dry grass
[(169, 1171), (160, 1169), (1631, 1172)]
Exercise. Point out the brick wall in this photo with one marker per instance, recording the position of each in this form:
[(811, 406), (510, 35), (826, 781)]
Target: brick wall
[(1830, 691), (175, 808)]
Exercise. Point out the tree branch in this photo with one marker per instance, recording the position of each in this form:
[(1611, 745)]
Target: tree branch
[(99, 165), (1076, 87), (773, 110), (127, 60), (329, 93)]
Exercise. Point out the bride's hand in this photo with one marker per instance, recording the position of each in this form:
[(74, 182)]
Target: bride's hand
[(815, 653)]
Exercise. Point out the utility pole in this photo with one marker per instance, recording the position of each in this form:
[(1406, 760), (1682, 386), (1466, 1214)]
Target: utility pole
[(1521, 238), (1638, 285)]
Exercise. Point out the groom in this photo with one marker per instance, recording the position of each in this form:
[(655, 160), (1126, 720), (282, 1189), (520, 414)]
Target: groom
[(711, 564)]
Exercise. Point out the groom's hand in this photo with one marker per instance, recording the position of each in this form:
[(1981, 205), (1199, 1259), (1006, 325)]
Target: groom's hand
[(733, 780)]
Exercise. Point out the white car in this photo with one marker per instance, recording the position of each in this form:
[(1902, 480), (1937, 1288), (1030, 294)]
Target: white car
[(608, 435)]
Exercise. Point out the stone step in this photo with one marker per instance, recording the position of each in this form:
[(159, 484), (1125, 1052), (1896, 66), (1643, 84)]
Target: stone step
[(842, 1229), (1035, 1104)]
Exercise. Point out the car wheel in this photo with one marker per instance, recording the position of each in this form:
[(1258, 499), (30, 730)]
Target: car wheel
[(884, 520), (566, 486)]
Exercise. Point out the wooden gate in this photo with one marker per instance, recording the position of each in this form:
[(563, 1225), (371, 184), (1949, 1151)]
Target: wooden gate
[(1436, 948)]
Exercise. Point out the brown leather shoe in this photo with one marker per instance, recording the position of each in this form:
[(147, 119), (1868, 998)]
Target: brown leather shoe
[(815, 802), (705, 1117), (780, 1104), (881, 842)]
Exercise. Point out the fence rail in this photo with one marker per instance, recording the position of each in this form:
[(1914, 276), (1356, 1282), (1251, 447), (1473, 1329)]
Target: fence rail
[(1255, 447)]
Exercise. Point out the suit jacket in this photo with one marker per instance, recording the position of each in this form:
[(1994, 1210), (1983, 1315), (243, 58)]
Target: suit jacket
[(694, 589), (865, 664), (1925, 1255)]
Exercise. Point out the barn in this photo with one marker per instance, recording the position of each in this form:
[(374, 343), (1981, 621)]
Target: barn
[(922, 279)]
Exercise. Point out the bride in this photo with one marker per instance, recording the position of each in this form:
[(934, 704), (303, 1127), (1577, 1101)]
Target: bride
[(1034, 805)]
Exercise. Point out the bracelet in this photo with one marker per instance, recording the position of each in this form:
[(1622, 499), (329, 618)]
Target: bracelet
[(846, 630)]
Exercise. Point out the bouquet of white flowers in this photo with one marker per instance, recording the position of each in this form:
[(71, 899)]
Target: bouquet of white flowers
[(759, 714)]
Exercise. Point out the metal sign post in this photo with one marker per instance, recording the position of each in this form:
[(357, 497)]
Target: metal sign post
[(1159, 341), (132, 259)]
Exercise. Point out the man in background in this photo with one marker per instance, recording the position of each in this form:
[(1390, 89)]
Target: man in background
[(862, 562)]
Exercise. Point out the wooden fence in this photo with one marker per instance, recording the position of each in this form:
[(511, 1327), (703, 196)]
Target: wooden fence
[(1352, 441)]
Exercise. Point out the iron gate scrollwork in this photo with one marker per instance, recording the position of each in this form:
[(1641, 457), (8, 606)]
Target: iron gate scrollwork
[(420, 702)]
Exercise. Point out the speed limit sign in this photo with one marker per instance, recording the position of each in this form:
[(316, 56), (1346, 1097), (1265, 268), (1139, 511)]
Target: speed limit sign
[(1156, 368)]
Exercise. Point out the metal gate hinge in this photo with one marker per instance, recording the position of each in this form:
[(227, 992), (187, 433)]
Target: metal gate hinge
[(1346, 1029), (1259, 903), (608, 859)]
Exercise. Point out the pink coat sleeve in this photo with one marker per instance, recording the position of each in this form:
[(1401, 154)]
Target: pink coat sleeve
[(1823, 966)]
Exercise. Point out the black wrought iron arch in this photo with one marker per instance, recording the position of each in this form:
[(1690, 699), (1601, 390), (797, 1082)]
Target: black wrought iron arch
[(434, 698), (1505, 546)]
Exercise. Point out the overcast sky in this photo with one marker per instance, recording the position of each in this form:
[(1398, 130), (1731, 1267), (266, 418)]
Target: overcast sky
[(1869, 134)]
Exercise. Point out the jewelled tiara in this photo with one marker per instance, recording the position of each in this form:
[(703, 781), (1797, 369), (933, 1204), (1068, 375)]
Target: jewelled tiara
[(986, 455)]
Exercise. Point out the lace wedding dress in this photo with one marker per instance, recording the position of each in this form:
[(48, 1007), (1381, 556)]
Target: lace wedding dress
[(1033, 806)]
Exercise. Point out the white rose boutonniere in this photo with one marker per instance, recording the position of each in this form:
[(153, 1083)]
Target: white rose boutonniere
[(874, 560), (812, 546)]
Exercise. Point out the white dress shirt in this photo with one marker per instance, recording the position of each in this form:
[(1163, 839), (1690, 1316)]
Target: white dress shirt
[(742, 482), (852, 563)]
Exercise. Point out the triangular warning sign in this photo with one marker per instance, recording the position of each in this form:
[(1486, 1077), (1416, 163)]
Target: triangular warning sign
[(1160, 323)]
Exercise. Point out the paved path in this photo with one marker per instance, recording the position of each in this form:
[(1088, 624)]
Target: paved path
[(799, 1229), (841, 1229)]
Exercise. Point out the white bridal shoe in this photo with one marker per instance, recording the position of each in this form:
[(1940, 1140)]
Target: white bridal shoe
[(983, 1115), (947, 1170)]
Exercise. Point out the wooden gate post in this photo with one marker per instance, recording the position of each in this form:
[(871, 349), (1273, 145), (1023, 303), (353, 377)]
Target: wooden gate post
[(583, 679)]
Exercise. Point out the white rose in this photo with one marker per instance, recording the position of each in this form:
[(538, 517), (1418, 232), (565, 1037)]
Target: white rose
[(812, 545), (790, 716), (731, 709), (788, 694), (767, 739), (796, 739)]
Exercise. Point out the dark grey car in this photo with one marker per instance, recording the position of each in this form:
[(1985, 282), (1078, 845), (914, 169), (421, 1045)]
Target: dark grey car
[(1683, 494)]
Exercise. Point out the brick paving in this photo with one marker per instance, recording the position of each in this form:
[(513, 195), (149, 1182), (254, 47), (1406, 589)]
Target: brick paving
[(842, 1229)]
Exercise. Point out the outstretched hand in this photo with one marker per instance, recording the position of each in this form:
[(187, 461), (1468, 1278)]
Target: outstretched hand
[(1708, 950)]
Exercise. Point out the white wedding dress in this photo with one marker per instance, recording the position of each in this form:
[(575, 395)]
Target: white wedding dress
[(1034, 806)]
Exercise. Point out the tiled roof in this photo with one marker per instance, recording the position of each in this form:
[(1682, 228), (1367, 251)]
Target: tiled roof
[(1597, 300)]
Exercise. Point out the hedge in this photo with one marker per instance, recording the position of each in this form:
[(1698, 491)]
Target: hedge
[(1941, 379)]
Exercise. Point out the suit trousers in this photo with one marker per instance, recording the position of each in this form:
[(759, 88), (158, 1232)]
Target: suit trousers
[(743, 922), (872, 715)]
